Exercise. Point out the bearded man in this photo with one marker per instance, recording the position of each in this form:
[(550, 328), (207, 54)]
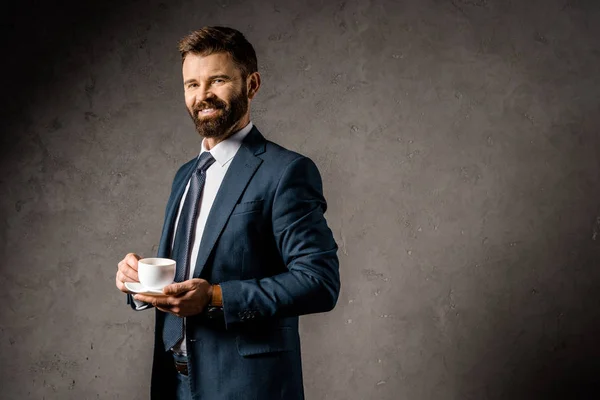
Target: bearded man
[(245, 223)]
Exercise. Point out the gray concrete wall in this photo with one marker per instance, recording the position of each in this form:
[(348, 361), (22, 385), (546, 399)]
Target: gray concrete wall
[(460, 151)]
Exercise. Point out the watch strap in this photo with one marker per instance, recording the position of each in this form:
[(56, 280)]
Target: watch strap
[(216, 299)]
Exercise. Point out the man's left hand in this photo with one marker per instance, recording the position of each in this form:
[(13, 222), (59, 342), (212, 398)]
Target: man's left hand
[(182, 299)]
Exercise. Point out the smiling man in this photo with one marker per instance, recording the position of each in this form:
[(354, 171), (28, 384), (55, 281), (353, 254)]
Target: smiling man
[(245, 223)]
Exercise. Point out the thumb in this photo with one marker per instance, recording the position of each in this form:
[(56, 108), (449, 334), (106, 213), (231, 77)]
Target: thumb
[(177, 288)]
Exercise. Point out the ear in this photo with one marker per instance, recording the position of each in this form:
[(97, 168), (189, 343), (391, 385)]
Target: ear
[(253, 84)]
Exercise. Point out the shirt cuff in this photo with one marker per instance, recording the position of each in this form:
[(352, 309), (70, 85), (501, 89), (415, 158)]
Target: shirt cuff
[(140, 305)]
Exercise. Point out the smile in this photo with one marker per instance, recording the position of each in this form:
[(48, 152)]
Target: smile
[(208, 111)]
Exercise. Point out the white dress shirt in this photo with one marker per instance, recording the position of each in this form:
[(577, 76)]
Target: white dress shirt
[(223, 153)]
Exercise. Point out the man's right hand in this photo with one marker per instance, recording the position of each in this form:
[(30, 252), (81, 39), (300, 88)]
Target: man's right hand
[(127, 271)]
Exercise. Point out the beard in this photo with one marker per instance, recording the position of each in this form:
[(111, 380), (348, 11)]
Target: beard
[(227, 116)]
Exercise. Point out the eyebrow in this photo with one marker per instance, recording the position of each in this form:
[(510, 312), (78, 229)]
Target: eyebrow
[(222, 76), (210, 78)]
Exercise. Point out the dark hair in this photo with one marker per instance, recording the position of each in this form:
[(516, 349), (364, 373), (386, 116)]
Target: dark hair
[(220, 39)]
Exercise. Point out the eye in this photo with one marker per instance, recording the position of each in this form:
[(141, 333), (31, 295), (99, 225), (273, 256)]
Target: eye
[(192, 85), (218, 80)]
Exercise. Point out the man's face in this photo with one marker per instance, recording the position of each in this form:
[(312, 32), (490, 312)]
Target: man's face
[(215, 94)]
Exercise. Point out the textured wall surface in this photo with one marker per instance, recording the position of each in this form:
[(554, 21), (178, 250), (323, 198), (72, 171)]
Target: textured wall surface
[(459, 145)]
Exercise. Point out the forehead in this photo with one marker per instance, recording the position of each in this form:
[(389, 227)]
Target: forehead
[(199, 67)]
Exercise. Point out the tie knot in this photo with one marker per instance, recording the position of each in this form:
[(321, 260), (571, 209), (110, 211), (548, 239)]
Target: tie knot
[(205, 161)]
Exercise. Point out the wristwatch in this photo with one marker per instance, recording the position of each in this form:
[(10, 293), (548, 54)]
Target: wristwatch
[(215, 305)]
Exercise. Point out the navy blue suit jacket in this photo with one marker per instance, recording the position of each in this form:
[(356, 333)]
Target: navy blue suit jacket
[(267, 243)]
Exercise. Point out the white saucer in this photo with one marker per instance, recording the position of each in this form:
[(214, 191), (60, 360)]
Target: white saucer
[(137, 288)]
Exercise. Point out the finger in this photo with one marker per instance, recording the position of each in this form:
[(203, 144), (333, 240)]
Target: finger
[(120, 285), (124, 278), (182, 287), (144, 298), (177, 288), (132, 260), (156, 301), (131, 274), (128, 271)]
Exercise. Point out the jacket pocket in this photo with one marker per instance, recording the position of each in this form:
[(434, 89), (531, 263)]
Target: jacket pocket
[(272, 341), (248, 207)]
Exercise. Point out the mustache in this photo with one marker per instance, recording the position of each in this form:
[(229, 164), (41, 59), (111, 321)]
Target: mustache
[(216, 104)]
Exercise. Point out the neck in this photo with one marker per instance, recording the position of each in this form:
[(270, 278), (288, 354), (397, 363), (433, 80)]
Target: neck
[(209, 143)]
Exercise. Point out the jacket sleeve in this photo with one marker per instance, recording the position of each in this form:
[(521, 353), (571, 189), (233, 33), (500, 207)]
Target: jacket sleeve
[(311, 283)]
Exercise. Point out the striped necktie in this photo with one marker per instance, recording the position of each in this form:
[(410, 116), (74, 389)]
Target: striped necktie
[(184, 240)]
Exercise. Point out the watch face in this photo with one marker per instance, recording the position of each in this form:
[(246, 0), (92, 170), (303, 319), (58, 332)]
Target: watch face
[(214, 312)]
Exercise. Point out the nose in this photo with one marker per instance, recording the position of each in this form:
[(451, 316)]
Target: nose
[(203, 93)]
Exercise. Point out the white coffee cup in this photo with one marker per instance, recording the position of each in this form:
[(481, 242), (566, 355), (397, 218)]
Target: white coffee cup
[(156, 273)]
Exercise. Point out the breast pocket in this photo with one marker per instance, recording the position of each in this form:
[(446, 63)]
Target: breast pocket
[(248, 207)]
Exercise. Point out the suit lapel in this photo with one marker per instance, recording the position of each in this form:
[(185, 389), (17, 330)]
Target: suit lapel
[(242, 168)]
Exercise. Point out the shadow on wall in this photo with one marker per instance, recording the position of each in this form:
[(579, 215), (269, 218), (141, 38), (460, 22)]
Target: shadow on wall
[(546, 340), (554, 345), (531, 322), (562, 360), (34, 35)]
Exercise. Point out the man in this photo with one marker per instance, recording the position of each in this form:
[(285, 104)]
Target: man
[(245, 224)]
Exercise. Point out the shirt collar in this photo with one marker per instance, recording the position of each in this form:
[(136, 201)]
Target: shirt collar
[(224, 151)]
